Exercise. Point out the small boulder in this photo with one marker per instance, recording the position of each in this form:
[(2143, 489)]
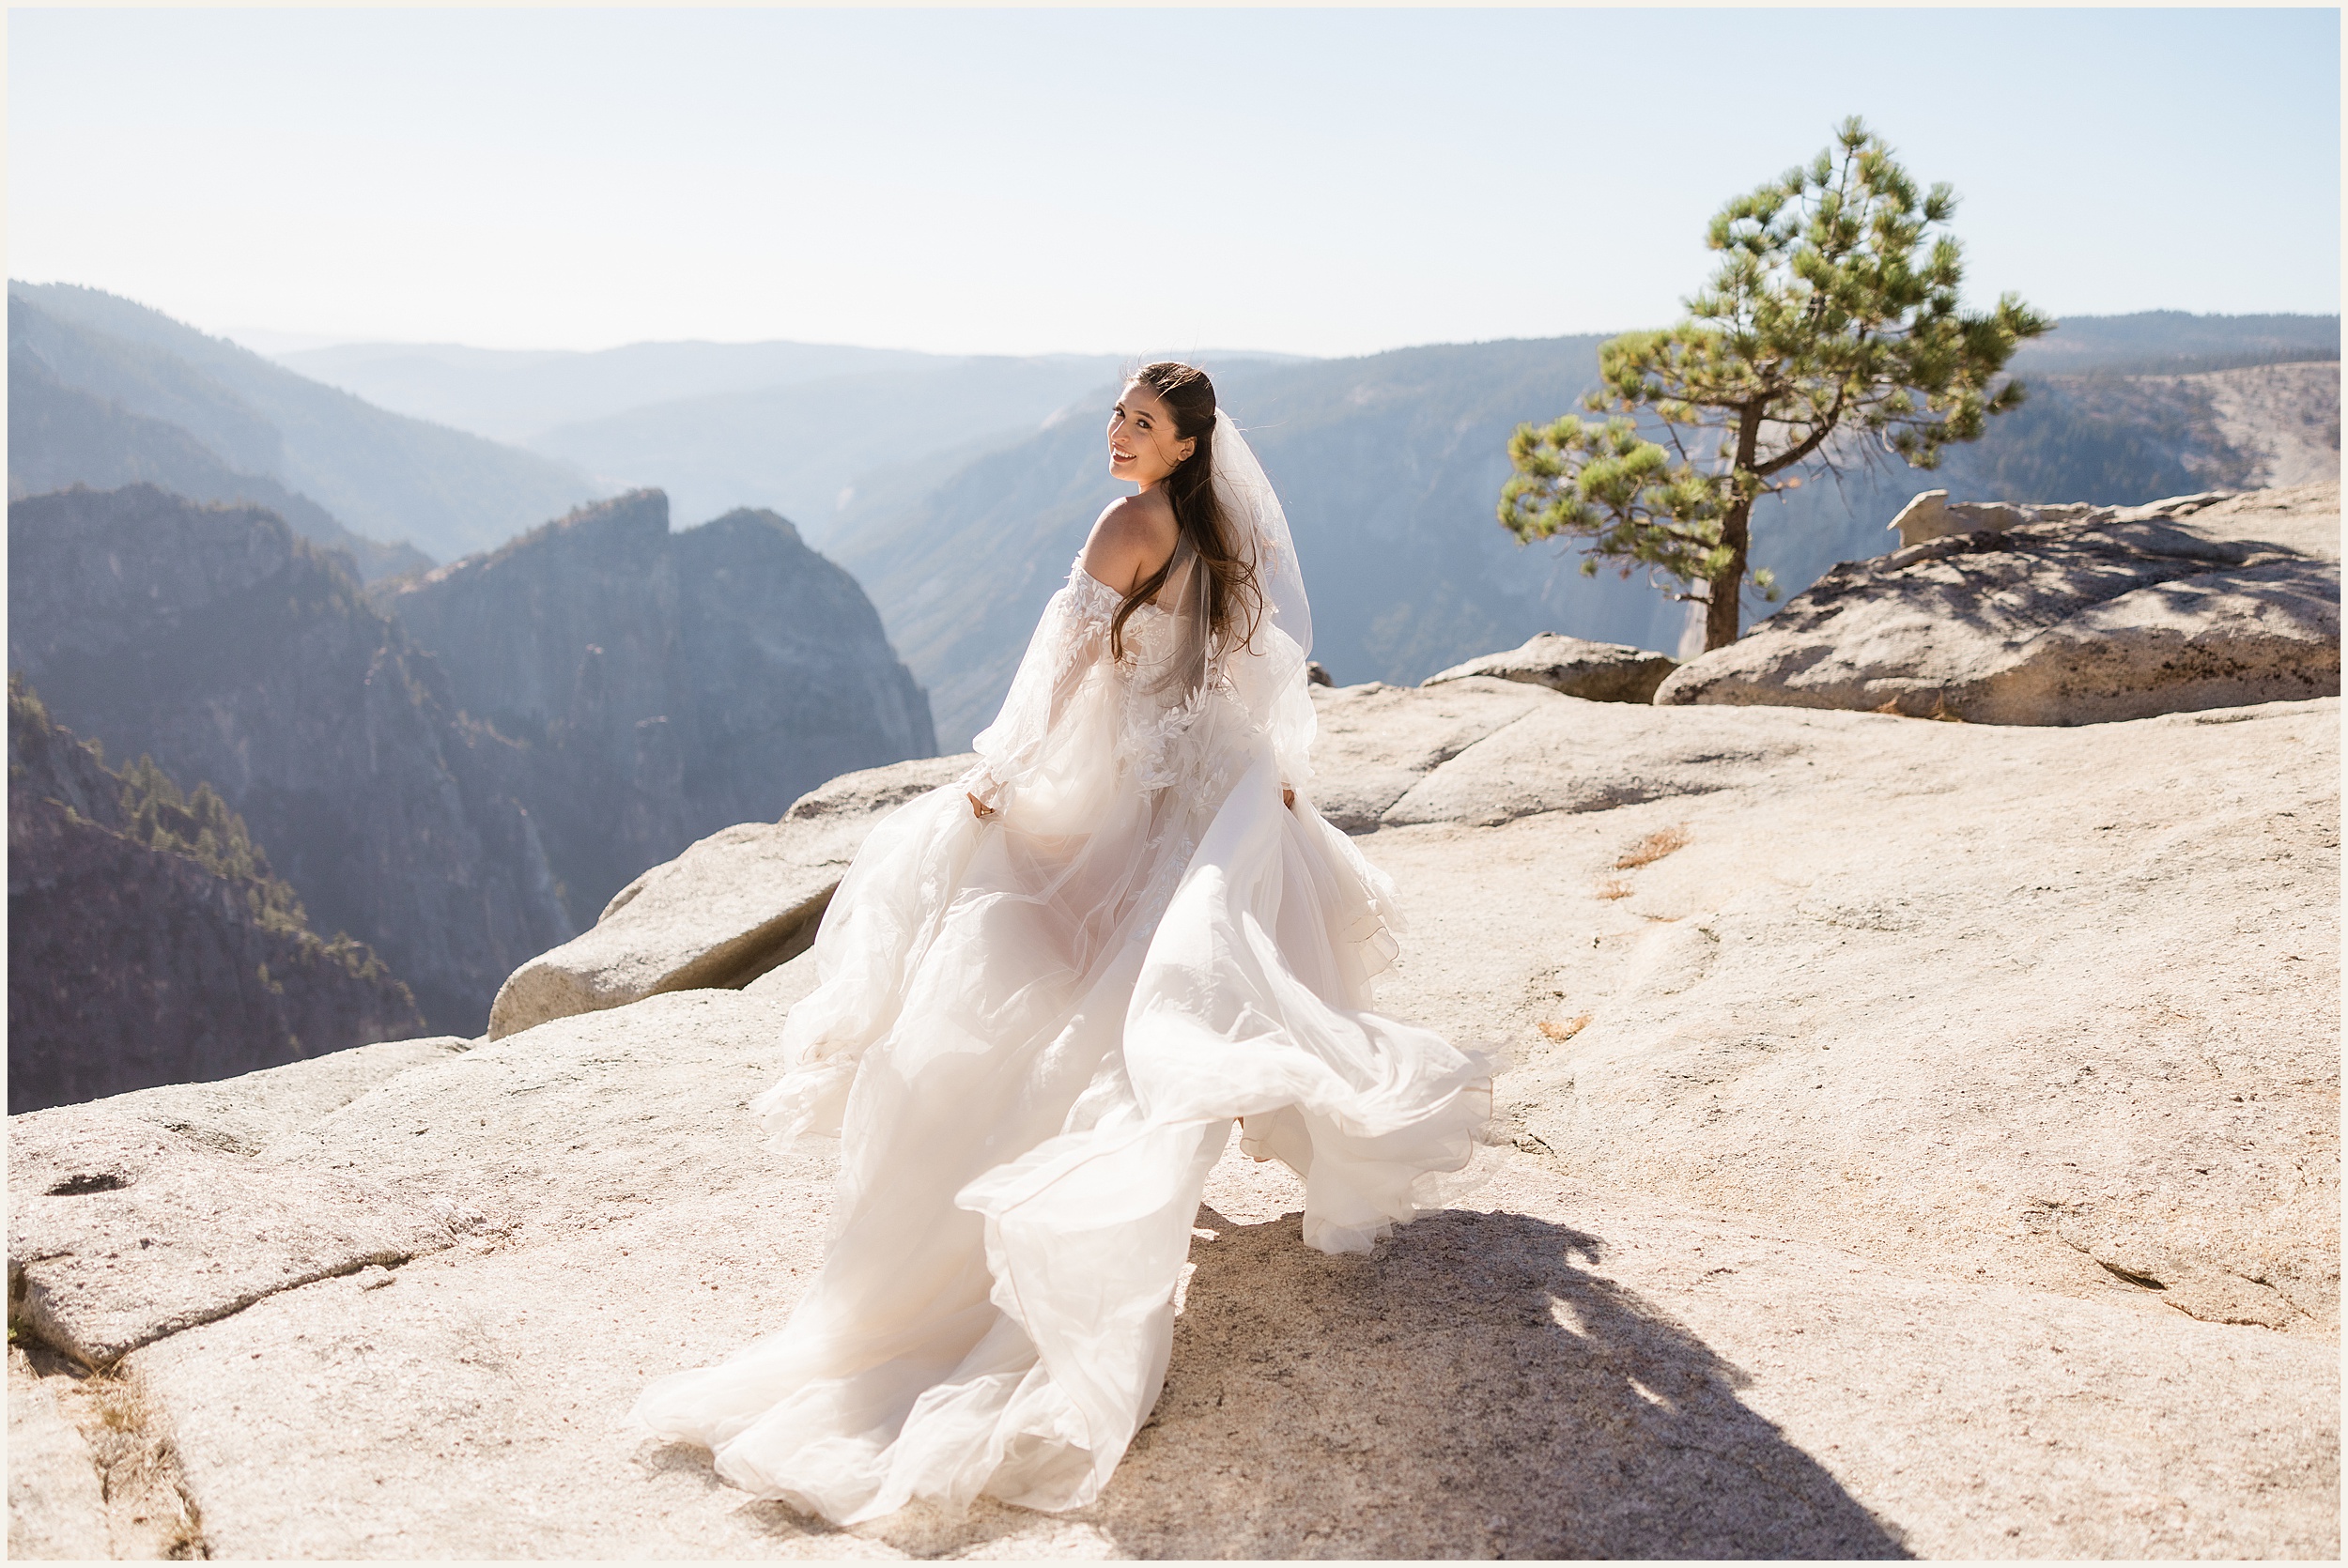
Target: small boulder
[(1933, 516), (729, 909), (1598, 671)]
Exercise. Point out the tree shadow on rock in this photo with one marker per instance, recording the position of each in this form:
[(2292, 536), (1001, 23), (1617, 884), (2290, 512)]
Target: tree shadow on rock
[(1470, 1389)]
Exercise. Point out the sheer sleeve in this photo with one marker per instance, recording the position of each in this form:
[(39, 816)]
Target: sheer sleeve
[(1048, 760)]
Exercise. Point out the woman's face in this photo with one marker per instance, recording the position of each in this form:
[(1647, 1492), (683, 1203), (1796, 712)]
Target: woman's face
[(1143, 448)]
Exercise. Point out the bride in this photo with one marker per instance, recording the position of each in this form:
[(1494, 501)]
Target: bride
[(1045, 993)]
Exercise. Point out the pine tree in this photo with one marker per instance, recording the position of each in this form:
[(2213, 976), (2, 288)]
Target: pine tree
[(1834, 314)]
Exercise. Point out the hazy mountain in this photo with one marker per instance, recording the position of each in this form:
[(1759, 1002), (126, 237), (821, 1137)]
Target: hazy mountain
[(59, 437), (800, 449), (1390, 466), (2176, 341), (796, 427), (381, 474), (230, 650), (148, 941), (656, 686), (512, 394)]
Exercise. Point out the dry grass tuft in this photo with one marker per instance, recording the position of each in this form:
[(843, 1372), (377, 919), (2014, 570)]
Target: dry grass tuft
[(1613, 887), (1567, 1030), (1652, 848)]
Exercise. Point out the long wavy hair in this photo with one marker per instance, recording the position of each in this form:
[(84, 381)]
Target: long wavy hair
[(1234, 598)]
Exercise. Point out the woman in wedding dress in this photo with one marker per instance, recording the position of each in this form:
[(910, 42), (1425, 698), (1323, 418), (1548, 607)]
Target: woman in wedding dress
[(1044, 996)]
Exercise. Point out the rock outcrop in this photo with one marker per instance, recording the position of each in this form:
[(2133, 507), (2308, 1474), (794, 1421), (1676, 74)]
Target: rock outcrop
[(215, 640), (2057, 616), (1601, 671), (1924, 1141), (148, 941), (661, 686), (1933, 516)]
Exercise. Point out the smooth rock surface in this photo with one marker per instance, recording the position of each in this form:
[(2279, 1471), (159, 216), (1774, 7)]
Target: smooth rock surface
[(121, 1232), (1375, 741), (2054, 1007), (729, 908), (56, 1508), (1601, 671), (2175, 606), (1935, 1153)]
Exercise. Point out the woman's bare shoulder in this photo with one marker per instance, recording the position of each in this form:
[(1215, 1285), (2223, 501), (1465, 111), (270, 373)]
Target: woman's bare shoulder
[(1131, 539)]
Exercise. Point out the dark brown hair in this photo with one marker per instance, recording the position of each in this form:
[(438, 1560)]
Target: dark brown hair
[(1233, 596)]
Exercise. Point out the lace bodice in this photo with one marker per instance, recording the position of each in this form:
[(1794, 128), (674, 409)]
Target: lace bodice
[(1080, 724)]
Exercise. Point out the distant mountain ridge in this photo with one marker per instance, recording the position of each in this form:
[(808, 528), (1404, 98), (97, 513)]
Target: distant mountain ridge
[(382, 475), (513, 394), (801, 448), (798, 428), (61, 436)]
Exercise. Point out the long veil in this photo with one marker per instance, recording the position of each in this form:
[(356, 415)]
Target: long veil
[(1266, 670)]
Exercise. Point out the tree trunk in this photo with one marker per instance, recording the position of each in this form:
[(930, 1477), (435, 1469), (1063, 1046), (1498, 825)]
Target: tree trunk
[(1726, 591)]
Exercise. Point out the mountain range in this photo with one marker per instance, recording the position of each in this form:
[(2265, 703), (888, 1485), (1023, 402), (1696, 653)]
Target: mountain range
[(958, 490), (1390, 465), (383, 476), (457, 765)]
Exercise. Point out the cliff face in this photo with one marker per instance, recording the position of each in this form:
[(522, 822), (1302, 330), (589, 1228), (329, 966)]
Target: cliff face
[(233, 651), (656, 686), (148, 943)]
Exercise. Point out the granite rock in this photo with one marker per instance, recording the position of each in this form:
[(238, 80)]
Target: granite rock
[(1601, 671), (1923, 1142), (2116, 614)]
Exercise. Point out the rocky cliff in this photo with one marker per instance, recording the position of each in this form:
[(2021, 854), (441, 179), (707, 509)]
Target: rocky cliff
[(1924, 1140), (149, 943), (659, 687), (233, 651)]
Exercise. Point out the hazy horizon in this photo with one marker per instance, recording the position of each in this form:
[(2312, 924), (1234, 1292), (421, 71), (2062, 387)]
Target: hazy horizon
[(959, 182), (273, 344)]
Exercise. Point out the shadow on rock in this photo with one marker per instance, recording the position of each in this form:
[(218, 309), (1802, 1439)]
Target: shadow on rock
[(1469, 1390)]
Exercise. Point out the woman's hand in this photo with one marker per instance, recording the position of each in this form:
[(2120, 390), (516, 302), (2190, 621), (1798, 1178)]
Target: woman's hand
[(1287, 797), (978, 808)]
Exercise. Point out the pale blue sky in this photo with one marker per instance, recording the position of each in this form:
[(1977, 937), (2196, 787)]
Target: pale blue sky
[(1318, 182)]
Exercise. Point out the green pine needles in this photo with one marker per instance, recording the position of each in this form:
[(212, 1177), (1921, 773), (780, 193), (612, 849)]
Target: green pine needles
[(1831, 332)]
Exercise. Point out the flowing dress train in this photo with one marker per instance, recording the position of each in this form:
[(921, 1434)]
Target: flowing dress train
[(1032, 1034)]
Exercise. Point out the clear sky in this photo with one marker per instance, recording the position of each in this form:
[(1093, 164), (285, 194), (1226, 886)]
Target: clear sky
[(1316, 181)]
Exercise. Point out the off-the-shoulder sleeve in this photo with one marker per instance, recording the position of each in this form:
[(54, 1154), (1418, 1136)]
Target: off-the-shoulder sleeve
[(1035, 747)]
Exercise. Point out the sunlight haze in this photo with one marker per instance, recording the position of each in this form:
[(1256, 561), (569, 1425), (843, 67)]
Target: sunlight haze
[(1314, 182)]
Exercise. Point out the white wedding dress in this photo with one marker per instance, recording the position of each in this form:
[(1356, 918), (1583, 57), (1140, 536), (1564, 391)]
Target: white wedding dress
[(1033, 1033)]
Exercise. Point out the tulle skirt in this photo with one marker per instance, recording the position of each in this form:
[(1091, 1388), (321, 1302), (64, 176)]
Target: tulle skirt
[(1033, 1044)]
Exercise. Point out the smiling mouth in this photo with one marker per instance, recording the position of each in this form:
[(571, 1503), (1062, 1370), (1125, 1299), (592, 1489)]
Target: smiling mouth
[(1116, 456)]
